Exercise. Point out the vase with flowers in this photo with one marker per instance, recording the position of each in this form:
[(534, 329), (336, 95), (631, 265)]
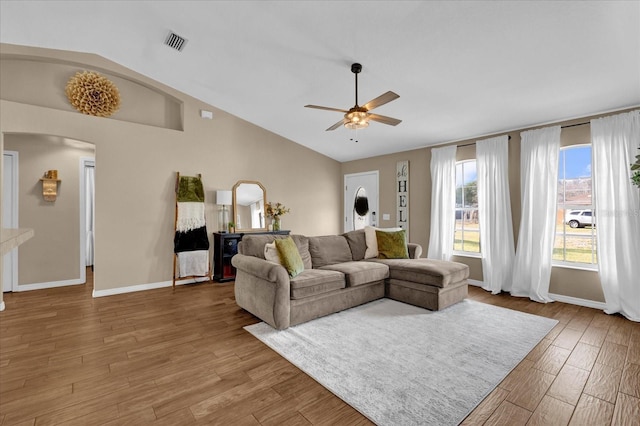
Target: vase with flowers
[(274, 211)]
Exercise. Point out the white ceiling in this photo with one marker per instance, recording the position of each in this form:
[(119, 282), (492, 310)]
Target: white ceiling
[(462, 69)]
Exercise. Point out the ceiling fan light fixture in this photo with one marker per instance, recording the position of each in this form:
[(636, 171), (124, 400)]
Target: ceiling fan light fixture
[(356, 120), (358, 117)]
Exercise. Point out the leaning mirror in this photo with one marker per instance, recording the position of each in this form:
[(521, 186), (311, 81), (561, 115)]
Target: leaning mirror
[(249, 198)]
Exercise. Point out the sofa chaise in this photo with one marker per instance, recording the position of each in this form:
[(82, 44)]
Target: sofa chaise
[(337, 276)]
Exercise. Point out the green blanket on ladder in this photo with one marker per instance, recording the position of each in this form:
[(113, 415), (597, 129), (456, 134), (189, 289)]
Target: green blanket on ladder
[(190, 189)]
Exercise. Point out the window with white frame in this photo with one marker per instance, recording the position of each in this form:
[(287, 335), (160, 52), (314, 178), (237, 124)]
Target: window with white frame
[(575, 240), (467, 231)]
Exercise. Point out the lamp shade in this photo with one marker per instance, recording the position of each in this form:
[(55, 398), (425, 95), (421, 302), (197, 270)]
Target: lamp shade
[(223, 198)]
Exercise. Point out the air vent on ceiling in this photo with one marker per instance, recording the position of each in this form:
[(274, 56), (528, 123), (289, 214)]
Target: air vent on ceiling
[(175, 41)]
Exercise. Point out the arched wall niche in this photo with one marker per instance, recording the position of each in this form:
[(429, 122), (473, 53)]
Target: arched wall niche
[(44, 85)]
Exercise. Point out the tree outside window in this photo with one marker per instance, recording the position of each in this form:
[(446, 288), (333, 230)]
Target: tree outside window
[(467, 231), (575, 240)]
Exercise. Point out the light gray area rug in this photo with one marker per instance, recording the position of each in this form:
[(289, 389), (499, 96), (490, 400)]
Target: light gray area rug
[(402, 365)]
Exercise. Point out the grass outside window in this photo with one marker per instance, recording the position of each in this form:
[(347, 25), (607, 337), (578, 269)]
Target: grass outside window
[(575, 245), (467, 238)]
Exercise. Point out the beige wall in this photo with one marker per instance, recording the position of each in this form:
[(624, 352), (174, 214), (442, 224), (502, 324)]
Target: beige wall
[(136, 164), (55, 248), (564, 281)]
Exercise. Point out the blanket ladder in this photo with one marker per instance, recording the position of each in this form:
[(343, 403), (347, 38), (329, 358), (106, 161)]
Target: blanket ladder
[(175, 253)]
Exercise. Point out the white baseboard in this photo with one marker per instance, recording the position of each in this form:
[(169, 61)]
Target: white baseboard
[(475, 282), (577, 301), (143, 287), (2, 306), (561, 298), (50, 284)]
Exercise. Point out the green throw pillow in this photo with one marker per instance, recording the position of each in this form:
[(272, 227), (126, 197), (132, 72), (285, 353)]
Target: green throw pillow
[(392, 245), (289, 256)]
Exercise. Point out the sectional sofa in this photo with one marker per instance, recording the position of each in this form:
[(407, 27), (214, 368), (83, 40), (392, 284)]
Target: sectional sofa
[(338, 275)]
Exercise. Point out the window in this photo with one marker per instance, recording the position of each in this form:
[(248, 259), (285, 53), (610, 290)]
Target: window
[(467, 233), (575, 240)]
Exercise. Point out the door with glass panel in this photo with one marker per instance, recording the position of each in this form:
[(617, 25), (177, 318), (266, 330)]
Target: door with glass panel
[(360, 200)]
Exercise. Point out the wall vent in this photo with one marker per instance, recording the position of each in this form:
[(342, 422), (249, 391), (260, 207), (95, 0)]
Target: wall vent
[(175, 41)]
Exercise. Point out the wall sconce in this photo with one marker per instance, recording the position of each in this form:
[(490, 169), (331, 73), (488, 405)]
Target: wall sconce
[(223, 198), (50, 185)]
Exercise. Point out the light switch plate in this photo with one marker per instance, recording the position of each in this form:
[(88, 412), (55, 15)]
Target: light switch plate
[(386, 216)]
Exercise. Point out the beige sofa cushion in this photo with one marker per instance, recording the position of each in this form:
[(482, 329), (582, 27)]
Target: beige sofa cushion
[(438, 273), (311, 282), (328, 250), (253, 245), (358, 273), (302, 243), (357, 243)]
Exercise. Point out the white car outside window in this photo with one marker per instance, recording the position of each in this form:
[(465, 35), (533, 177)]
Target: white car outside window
[(579, 218)]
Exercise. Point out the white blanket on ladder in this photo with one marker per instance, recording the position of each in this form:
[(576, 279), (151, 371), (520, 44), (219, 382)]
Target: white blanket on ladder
[(190, 216), (193, 263)]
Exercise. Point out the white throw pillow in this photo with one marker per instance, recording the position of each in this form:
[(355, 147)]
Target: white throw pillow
[(271, 253), (372, 241)]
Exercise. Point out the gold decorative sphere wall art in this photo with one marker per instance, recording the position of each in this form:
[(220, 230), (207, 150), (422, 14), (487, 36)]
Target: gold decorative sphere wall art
[(93, 94)]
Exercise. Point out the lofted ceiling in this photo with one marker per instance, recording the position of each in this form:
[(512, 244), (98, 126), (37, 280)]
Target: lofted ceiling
[(463, 69)]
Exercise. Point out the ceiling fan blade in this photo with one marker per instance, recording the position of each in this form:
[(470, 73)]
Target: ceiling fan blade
[(326, 108), (384, 119), (381, 100), (335, 126)]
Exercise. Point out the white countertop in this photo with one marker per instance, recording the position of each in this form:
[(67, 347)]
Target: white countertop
[(13, 237)]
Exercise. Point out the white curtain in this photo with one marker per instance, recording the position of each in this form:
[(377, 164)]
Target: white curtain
[(539, 154), (89, 186), (443, 200), (494, 208), (615, 141)]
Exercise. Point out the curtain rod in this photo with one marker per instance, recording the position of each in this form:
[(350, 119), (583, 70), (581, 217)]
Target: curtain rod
[(574, 125), (473, 143), (562, 127)]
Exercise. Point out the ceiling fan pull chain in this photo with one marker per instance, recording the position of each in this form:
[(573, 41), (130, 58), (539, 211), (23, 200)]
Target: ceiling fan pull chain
[(356, 138)]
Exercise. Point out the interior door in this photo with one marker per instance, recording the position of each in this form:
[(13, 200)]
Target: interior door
[(88, 209), (10, 217), (360, 200)]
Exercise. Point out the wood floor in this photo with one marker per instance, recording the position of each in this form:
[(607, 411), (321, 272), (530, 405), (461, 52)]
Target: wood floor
[(183, 358)]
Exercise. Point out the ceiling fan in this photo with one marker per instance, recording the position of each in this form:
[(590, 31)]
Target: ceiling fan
[(358, 117)]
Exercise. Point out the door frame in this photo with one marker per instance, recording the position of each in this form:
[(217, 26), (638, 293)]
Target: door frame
[(14, 213), (84, 163), (346, 202)]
